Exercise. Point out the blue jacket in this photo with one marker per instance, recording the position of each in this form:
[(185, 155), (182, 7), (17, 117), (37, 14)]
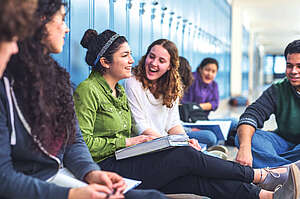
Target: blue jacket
[(23, 169)]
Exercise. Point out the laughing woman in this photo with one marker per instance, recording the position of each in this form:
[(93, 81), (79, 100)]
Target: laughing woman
[(105, 120)]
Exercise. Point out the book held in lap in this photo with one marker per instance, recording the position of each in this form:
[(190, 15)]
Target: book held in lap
[(155, 145)]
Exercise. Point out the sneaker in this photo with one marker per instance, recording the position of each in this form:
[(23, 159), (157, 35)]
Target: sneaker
[(218, 148), (290, 189), (274, 179), (218, 154)]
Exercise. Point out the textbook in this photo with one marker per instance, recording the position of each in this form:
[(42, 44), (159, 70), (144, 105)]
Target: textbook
[(220, 128), (155, 145)]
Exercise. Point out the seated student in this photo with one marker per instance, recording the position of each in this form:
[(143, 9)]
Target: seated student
[(203, 136), (204, 89), (38, 131), (105, 120), (260, 148)]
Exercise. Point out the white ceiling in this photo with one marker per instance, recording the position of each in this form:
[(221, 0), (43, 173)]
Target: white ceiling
[(274, 22)]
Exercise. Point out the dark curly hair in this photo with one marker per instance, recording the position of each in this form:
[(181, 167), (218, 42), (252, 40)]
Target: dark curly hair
[(185, 72), (94, 43), (293, 47), (205, 61), (16, 17), (169, 85), (43, 88)]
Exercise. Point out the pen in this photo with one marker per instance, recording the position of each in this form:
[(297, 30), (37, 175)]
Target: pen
[(109, 194)]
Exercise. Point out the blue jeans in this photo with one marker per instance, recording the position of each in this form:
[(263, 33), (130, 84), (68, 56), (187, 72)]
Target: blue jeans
[(204, 136), (271, 150)]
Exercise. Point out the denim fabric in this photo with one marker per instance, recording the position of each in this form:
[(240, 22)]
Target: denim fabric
[(271, 150), (185, 170), (203, 136)]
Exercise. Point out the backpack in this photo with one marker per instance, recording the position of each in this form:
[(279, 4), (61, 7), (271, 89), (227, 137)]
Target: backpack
[(191, 112)]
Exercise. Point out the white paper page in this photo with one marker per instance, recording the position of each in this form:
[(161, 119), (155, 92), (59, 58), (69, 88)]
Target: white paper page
[(131, 184), (65, 178), (224, 125)]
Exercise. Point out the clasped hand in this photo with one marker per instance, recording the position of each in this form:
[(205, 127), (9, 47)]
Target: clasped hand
[(102, 185)]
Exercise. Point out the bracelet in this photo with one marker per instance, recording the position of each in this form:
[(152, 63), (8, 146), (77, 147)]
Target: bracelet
[(261, 174)]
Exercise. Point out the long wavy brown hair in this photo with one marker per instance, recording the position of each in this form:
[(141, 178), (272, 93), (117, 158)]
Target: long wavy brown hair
[(169, 85), (43, 88)]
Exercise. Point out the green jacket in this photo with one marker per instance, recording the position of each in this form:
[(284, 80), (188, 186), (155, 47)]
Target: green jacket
[(105, 120)]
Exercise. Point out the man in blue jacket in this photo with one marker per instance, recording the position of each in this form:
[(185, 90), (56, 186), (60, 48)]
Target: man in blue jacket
[(259, 148)]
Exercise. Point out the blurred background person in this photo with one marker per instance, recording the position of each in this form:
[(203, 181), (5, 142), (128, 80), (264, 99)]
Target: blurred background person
[(203, 136), (204, 90)]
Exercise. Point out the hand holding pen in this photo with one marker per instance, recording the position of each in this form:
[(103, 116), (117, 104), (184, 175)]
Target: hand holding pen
[(102, 185), (94, 191), (112, 180)]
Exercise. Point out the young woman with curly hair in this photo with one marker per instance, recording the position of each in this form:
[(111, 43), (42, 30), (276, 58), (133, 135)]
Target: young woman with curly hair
[(15, 23), (105, 120), (166, 82), (39, 139), (155, 89)]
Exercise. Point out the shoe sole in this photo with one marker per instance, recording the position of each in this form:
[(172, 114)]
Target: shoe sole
[(218, 154), (295, 175)]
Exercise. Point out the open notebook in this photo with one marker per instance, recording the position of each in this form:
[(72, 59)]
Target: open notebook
[(65, 178), (220, 128)]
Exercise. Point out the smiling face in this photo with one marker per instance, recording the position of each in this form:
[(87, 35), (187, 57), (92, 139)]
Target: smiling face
[(56, 29), (208, 73), (7, 49), (120, 68), (157, 62), (293, 69)]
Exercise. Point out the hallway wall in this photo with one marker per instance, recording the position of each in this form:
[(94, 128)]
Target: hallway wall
[(199, 28)]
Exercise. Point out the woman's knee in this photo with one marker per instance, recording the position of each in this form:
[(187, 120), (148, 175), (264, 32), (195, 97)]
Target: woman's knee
[(211, 138), (204, 136), (187, 154)]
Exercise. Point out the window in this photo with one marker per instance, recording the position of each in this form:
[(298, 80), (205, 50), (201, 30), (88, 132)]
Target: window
[(279, 65)]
